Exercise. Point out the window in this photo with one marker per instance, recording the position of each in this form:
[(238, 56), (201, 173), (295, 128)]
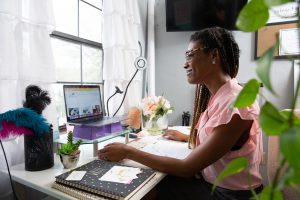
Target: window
[(77, 46)]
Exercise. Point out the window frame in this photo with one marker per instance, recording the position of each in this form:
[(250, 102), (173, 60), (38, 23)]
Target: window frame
[(80, 41)]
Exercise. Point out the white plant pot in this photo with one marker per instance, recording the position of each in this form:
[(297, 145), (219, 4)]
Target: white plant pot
[(69, 161)]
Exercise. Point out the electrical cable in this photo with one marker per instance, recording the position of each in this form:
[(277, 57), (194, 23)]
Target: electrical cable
[(126, 91), (108, 101), (141, 49), (12, 186)]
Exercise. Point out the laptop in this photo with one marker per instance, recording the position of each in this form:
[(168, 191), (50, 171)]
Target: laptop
[(84, 106)]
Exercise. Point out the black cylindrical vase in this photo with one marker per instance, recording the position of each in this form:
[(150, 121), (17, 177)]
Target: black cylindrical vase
[(38, 151)]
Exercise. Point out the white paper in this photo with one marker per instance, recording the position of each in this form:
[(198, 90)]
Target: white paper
[(121, 174), (76, 176), (289, 42), (164, 147)]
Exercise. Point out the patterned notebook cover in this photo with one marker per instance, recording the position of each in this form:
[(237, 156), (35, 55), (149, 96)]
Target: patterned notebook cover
[(95, 170)]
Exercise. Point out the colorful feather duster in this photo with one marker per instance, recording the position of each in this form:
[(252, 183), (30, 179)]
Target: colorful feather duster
[(27, 120), (9, 128), (23, 119)]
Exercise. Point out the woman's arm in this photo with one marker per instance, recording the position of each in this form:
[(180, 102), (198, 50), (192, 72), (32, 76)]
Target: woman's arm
[(218, 144), (176, 135)]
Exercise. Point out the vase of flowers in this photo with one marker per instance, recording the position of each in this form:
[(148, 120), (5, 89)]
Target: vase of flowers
[(155, 110)]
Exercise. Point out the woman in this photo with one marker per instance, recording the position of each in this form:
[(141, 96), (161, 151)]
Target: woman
[(220, 135)]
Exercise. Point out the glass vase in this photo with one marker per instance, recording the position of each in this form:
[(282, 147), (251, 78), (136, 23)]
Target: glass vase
[(155, 126)]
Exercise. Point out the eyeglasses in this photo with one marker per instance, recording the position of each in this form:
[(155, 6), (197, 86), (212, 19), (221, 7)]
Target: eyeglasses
[(190, 53)]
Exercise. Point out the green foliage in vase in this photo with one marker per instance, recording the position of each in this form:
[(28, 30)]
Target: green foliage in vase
[(70, 148), (274, 122)]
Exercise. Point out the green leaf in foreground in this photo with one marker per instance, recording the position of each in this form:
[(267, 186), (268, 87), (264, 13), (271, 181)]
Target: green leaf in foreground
[(248, 94), (264, 66), (234, 167), (290, 146), (289, 178), (271, 120), (254, 15), (295, 119), (266, 194)]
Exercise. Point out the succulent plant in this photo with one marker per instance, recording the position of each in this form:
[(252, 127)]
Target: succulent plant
[(70, 148)]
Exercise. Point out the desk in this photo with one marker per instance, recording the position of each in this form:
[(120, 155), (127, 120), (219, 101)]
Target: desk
[(42, 180)]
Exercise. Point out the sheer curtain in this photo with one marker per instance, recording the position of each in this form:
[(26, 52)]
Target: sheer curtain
[(150, 45), (25, 58), (121, 21)]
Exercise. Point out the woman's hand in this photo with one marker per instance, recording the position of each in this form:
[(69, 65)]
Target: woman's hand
[(176, 135), (114, 152)]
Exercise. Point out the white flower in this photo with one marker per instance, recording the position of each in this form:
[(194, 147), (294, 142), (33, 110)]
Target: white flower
[(155, 106)]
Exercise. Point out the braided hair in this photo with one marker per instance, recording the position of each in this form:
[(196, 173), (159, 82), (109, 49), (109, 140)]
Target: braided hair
[(222, 40)]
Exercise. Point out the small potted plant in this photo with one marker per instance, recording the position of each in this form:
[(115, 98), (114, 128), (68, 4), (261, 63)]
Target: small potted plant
[(69, 153)]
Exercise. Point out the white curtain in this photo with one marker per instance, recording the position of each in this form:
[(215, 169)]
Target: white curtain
[(25, 58), (121, 21), (150, 45)]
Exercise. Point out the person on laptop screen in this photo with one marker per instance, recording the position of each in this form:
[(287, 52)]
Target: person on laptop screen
[(219, 133)]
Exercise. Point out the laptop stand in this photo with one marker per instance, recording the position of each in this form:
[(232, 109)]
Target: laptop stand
[(94, 132)]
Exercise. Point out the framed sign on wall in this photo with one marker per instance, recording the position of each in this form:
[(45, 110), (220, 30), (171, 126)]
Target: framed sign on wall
[(267, 36), (282, 24), (289, 42), (283, 13)]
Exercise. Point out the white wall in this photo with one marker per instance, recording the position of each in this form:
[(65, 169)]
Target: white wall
[(170, 75)]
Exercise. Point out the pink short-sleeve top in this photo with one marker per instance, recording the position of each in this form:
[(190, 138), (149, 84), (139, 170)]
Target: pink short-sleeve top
[(219, 112)]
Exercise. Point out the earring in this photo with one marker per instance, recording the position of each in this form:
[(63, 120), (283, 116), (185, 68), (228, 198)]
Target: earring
[(213, 62)]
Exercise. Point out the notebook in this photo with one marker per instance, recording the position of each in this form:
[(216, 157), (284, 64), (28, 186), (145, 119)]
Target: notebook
[(83, 105), (96, 179), (78, 194)]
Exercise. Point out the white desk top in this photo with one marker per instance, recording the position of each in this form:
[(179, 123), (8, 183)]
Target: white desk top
[(42, 180)]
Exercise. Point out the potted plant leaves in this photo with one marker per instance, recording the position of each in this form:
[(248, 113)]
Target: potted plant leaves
[(283, 125), (69, 153)]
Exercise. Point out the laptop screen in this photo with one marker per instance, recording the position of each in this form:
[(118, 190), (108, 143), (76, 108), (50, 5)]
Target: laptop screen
[(82, 102)]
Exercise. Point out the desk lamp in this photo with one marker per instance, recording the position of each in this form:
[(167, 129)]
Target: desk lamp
[(118, 91), (140, 63)]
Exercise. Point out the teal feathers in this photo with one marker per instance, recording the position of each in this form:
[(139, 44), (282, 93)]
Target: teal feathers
[(28, 118)]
